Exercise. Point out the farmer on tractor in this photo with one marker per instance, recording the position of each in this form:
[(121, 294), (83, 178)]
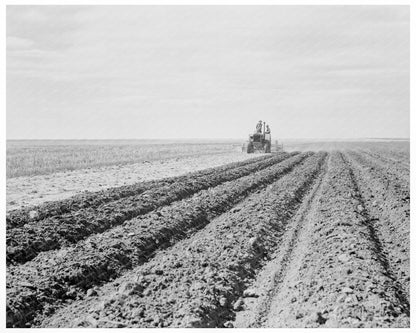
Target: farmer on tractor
[(260, 140), (259, 126), (267, 130)]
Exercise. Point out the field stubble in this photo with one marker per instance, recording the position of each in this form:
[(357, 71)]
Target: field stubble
[(40, 157)]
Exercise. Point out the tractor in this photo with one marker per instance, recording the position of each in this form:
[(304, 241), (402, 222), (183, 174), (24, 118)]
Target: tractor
[(259, 141)]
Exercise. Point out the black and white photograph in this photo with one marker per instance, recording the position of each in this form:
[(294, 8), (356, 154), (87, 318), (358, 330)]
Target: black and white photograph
[(207, 166)]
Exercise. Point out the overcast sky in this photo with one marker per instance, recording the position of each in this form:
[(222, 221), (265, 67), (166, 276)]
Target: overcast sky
[(112, 72)]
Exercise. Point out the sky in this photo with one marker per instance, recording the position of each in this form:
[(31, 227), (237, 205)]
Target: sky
[(126, 72)]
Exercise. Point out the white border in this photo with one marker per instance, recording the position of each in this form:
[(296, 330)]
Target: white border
[(196, 2)]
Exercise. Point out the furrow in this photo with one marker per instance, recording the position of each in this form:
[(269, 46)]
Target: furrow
[(383, 256), (26, 242), (20, 217), (269, 280), (388, 204), (194, 283), (339, 279), (68, 273), (397, 179), (401, 152), (402, 166)]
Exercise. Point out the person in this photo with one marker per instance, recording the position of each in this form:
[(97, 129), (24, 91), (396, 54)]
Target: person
[(267, 129), (259, 126)]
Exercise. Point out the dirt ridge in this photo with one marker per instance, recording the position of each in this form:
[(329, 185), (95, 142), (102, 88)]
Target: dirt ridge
[(105, 256), (20, 217), (379, 250), (388, 206), (402, 164), (289, 247), (336, 279), (229, 259), (24, 243), (313, 239)]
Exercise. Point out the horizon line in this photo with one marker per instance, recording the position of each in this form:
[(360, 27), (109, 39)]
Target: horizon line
[(235, 138)]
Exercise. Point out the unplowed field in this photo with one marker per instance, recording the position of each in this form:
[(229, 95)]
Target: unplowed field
[(311, 239)]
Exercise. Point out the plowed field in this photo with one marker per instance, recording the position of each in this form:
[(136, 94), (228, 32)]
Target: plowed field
[(301, 239)]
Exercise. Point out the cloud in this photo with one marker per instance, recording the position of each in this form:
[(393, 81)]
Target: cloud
[(211, 61)]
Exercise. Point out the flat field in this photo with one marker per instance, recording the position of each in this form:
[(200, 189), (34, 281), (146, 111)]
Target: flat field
[(311, 238), (40, 157), (40, 171)]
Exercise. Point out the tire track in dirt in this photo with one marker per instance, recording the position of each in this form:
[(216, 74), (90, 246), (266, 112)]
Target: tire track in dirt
[(68, 273), (271, 277), (18, 218), (388, 204), (24, 243), (196, 282), (336, 276)]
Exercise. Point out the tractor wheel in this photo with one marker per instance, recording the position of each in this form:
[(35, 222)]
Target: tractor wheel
[(268, 148), (250, 148)]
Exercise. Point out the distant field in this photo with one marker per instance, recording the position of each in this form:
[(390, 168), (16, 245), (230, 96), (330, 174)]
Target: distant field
[(396, 145), (39, 157)]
